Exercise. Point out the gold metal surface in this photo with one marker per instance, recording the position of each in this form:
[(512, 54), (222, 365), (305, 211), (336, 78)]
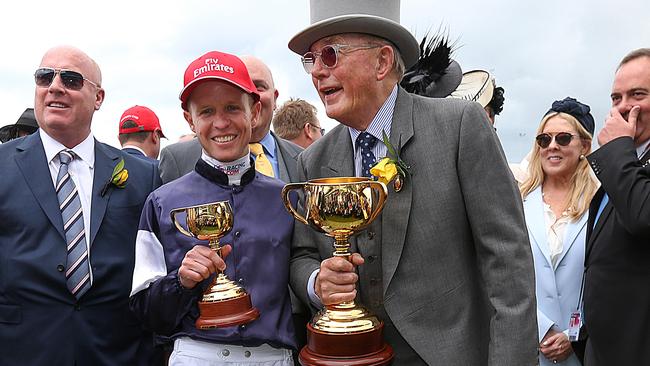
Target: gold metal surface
[(340, 207), (347, 320), (211, 221)]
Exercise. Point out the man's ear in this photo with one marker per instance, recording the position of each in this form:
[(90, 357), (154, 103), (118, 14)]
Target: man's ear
[(385, 58), (255, 113), (276, 93), (155, 137), (306, 130), (188, 117), (99, 98)]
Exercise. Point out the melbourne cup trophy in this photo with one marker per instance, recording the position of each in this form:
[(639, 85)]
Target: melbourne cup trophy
[(224, 303), (345, 333)]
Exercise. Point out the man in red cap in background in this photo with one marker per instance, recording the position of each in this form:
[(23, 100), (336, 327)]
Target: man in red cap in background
[(221, 104), (140, 132)]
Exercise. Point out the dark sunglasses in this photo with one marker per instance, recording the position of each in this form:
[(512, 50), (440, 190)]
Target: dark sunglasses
[(71, 79), (562, 139), (329, 55)]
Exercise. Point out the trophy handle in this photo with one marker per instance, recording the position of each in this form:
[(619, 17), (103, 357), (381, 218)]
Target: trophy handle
[(287, 202), (180, 227), (382, 194)]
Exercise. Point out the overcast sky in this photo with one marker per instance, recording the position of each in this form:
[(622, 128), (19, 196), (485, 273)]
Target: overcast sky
[(538, 51)]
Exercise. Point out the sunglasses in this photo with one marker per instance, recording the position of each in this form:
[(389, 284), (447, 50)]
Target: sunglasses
[(329, 55), (71, 80), (562, 139)]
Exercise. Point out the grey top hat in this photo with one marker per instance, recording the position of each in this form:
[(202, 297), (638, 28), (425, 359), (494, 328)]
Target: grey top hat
[(26, 122), (375, 17)]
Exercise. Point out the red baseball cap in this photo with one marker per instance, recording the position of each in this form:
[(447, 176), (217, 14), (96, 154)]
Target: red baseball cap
[(144, 118), (217, 65)]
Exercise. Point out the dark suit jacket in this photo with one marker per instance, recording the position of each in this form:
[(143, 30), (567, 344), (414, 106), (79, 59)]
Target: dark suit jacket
[(456, 265), (179, 159), (138, 154), (41, 323), (617, 260)]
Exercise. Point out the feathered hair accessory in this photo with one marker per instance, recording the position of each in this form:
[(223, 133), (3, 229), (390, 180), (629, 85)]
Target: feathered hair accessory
[(435, 75)]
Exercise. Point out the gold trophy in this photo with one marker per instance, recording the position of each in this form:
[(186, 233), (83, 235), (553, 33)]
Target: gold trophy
[(345, 333), (224, 303)]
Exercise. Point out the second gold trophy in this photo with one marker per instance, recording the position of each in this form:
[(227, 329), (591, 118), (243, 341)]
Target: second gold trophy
[(225, 303)]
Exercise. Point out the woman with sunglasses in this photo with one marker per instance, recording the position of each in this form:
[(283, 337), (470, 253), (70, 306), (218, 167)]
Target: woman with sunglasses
[(556, 197)]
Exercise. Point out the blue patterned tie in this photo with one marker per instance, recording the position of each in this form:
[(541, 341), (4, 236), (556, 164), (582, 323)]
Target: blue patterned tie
[(78, 271), (366, 142)]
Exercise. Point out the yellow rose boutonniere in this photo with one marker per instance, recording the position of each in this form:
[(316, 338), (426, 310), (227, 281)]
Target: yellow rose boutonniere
[(391, 167), (118, 178), (385, 170)]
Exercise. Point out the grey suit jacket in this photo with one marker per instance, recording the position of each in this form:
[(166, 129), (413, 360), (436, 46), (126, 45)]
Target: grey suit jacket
[(457, 268), (179, 159)]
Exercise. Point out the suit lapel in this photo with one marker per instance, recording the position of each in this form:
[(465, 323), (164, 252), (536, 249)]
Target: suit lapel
[(395, 216), (534, 212), (601, 220), (32, 162), (341, 163), (593, 210), (105, 161), (284, 155), (572, 231)]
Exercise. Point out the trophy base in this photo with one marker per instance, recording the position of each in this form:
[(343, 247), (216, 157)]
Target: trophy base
[(226, 313), (346, 349)]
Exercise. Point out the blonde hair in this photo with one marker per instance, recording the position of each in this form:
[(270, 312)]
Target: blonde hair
[(583, 185)]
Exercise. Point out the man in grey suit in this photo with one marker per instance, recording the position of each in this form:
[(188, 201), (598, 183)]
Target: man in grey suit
[(447, 266), (179, 159)]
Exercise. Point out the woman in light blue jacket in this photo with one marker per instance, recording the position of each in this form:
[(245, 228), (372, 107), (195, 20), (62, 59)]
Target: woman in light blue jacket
[(556, 197)]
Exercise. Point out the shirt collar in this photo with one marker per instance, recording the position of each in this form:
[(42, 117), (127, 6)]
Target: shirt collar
[(134, 148), (269, 144), (85, 150), (382, 120), (641, 149)]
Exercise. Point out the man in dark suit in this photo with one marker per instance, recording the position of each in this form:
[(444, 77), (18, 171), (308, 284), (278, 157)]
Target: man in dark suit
[(64, 293), (140, 133), (180, 158), (447, 266), (617, 273)]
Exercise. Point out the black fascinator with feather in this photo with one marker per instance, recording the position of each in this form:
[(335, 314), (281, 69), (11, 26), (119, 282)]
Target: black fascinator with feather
[(435, 75)]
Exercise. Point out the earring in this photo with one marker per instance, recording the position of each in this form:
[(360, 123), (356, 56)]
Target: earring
[(582, 157)]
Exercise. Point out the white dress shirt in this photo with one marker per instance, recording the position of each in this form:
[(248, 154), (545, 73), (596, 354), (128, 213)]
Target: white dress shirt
[(80, 170), (555, 230)]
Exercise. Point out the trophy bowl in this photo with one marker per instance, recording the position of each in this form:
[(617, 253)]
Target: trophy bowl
[(225, 303), (345, 333)]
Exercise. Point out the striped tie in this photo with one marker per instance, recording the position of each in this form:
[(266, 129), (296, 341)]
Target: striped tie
[(78, 271)]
